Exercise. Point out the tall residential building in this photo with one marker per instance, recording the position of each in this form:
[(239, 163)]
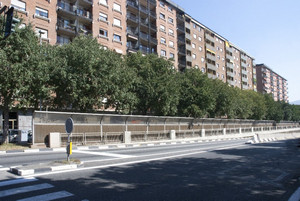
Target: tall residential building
[(150, 26), (270, 82)]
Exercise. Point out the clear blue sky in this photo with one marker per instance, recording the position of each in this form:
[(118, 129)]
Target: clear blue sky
[(268, 30)]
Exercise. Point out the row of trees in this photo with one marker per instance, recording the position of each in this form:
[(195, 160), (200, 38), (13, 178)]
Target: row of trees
[(83, 76)]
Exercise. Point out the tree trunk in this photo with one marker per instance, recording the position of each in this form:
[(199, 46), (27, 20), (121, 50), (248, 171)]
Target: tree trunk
[(5, 138)]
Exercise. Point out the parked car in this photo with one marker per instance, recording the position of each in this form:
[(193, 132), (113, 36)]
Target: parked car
[(29, 136)]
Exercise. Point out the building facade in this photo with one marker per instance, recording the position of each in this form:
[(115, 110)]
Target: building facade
[(150, 26), (270, 82)]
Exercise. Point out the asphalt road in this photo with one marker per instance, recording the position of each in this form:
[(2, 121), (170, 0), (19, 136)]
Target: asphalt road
[(221, 170)]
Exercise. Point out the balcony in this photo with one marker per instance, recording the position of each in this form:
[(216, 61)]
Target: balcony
[(187, 25), (244, 79), (231, 82), (144, 22), (66, 27), (245, 86), (228, 56), (188, 36), (153, 2), (189, 58), (229, 65), (153, 27), (144, 49), (182, 51), (188, 47), (144, 36), (132, 32), (179, 17), (211, 57), (230, 74), (132, 4), (132, 47), (229, 49), (212, 76), (209, 37), (181, 28), (153, 40), (66, 8), (210, 47), (243, 64), (181, 40), (153, 14), (243, 57), (244, 72), (86, 15), (211, 66), (144, 9), (132, 18)]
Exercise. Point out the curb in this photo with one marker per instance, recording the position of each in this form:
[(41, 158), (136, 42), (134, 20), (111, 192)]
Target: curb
[(25, 172), (119, 146)]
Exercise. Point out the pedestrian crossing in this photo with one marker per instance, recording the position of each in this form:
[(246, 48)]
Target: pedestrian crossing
[(30, 189)]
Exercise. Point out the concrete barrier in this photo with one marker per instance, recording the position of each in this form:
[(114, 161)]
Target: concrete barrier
[(54, 140)]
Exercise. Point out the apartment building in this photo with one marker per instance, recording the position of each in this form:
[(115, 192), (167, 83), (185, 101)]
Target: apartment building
[(270, 82), (150, 26)]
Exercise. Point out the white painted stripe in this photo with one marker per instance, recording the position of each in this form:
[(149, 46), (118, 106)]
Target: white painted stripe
[(295, 196), (1, 166), (17, 181), (24, 189), (4, 169), (135, 162), (49, 196), (150, 145), (102, 154)]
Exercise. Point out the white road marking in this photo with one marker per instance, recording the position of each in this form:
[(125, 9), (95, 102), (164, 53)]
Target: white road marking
[(49, 196), (102, 154), (24, 189), (17, 181), (295, 196), (138, 161), (4, 169)]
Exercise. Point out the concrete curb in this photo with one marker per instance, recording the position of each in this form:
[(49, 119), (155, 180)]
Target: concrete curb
[(22, 171)]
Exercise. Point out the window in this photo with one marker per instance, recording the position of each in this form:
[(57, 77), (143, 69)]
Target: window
[(193, 45), (171, 44), (103, 17), (41, 33), (103, 2), (117, 22), (117, 38), (194, 56), (41, 12), (203, 70), (200, 49), (163, 40), (170, 20), (162, 4), (117, 7), (20, 5), (103, 33), (195, 36), (194, 25), (202, 60), (172, 55), (199, 28), (171, 32), (162, 28), (170, 9), (199, 38), (163, 53), (162, 16)]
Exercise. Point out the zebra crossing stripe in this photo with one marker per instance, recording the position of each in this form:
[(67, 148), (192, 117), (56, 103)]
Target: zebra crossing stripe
[(49, 196), (25, 189), (17, 181)]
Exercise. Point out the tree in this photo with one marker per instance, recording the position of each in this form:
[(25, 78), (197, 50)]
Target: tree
[(196, 94), (154, 84), (274, 110), (88, 77), (23, 72)]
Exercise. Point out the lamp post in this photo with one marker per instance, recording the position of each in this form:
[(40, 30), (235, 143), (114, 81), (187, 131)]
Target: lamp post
[(41, 33)]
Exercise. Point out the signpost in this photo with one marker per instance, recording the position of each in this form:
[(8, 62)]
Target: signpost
[(69, 128)]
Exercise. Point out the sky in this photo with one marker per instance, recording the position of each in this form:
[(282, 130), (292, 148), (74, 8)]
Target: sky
[(268, 30)]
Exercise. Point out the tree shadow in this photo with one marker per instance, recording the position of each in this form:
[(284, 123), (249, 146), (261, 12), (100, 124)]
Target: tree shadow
[(258, 172)]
